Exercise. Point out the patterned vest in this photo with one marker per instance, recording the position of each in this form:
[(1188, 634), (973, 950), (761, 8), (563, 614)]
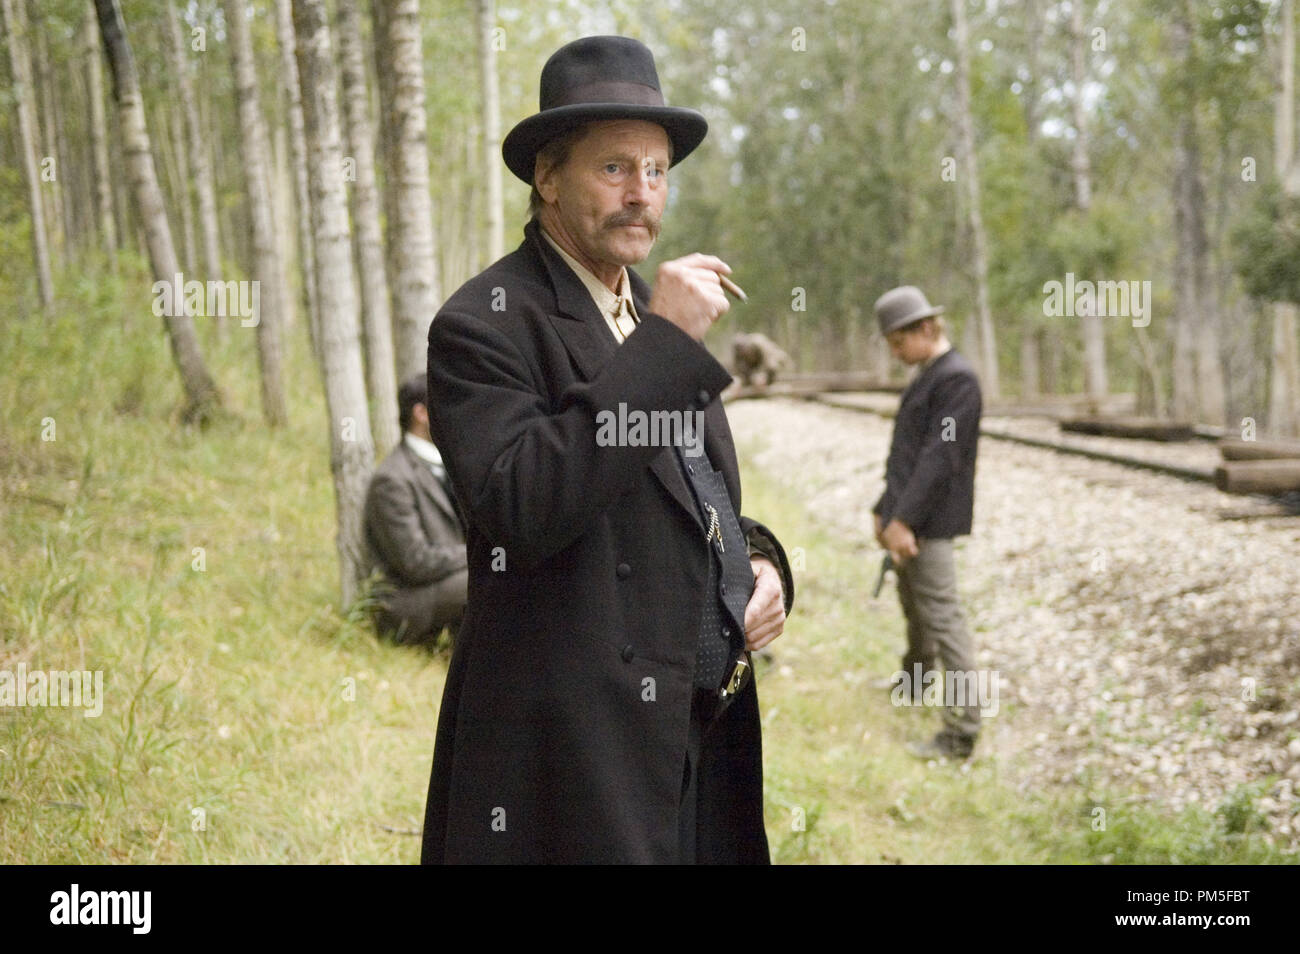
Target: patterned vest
[(731, 578)]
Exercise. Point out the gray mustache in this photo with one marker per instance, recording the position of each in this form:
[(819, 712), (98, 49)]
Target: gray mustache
[(615, 221)]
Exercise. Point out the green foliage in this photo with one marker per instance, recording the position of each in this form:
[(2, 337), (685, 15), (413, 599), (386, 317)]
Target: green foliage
[(1266, 244), (1096, 242)]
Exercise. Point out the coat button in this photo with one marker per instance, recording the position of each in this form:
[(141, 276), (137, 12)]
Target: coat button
[(628, 653), (623, 571), (726, 631), (723, 588), (704, 397)]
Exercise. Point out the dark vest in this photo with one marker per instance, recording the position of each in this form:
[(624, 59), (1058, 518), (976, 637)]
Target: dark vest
[(731, 578)]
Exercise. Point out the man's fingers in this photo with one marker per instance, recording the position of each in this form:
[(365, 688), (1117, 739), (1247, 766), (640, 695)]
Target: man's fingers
[(766, 631), (700, 260)]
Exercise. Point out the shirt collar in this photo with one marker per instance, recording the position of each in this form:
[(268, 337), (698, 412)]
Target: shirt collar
[(425, 450), (935, 357), (609, 303)]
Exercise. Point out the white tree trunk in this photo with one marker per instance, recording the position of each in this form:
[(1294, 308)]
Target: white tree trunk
[(48, 139), (377, 317), (487, 64), (352, 449), (1030, 375), (21, 70), (255, 147), (1093, 325), (1284, 381), (99, 136), (410, 205), (200, 390), (292, 90), (988, 350), (200, 160), (1204, 395), (176, 166)]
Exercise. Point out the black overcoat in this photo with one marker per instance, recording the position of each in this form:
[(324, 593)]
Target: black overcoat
[(563, 726)]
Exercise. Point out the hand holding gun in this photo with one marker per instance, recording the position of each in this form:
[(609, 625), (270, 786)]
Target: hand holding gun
[(886, 565)]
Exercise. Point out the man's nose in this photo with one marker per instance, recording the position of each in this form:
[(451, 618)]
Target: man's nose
[(641, 185)]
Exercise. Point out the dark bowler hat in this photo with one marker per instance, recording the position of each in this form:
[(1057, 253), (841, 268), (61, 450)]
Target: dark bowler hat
[(901, 306), (599, 78)]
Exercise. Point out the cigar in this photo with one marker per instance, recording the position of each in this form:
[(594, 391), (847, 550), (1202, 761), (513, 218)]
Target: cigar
[(732, 287)]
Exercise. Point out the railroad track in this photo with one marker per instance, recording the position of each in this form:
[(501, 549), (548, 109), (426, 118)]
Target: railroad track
[(1075, 447), (1159, 442)]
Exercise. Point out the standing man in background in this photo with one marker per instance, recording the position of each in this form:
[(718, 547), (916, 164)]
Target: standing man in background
[(929, 499)]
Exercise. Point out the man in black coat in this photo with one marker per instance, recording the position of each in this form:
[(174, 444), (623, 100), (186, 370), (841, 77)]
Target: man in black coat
[(929, 498), (413, 532), (598, 706)]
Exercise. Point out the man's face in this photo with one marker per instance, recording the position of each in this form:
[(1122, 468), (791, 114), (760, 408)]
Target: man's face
[(912, 344), (609, 196)]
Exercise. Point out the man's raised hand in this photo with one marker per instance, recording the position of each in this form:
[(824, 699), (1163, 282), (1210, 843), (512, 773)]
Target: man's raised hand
[(688, 293)]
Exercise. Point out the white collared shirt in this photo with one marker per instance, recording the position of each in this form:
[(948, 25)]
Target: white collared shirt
[(426, 451), (947, 346), (617, 309)]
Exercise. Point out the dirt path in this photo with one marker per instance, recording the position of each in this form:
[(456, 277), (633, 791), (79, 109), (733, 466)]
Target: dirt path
[(1144, 642)]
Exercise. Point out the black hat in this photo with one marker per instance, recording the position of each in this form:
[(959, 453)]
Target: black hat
[(599, 78)]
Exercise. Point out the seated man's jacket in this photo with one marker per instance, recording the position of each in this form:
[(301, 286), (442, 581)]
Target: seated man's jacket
[(412, 529), (563, 728), (930, 473)]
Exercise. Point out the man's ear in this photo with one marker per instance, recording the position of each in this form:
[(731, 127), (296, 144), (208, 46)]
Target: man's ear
[(420, 413), (544, 179)]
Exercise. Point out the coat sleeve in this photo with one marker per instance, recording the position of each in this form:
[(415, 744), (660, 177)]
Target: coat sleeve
[(957, 414), (763, 542), (394, 529), (531, 479)]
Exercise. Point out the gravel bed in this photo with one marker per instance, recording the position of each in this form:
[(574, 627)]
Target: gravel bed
[(1145, 643)]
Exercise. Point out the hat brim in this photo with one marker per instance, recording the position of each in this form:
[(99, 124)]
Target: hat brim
[(905, 320), (685, 127)]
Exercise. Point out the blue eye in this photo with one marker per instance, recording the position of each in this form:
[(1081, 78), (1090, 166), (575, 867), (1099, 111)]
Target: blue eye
[(612, 168)]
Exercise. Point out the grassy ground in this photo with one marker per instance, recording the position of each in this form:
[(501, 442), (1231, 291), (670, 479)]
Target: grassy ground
[(246, 719), (836, 764)]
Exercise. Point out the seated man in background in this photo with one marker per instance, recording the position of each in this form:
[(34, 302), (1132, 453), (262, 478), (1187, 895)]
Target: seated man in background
[(414, 532)]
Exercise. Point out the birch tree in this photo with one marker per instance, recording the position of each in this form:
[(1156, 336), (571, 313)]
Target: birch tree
[(292, 91), (1093, 324), (49, 135), (352, 449), (410, 206), (20, 69), (368, 242), (200, 159), (255, 148), (1198, 373), (988, 350), (1284, 380), (202, 397), (486, 14)]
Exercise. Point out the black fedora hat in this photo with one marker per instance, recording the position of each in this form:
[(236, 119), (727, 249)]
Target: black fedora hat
[(599, 78)]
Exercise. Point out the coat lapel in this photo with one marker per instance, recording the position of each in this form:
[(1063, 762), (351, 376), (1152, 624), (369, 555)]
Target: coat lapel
[(424, 476), (579, 323), (590, 344)]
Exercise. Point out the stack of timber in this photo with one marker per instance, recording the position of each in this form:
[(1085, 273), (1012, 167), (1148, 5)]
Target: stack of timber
[(1137, 428), (1258, 467)]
